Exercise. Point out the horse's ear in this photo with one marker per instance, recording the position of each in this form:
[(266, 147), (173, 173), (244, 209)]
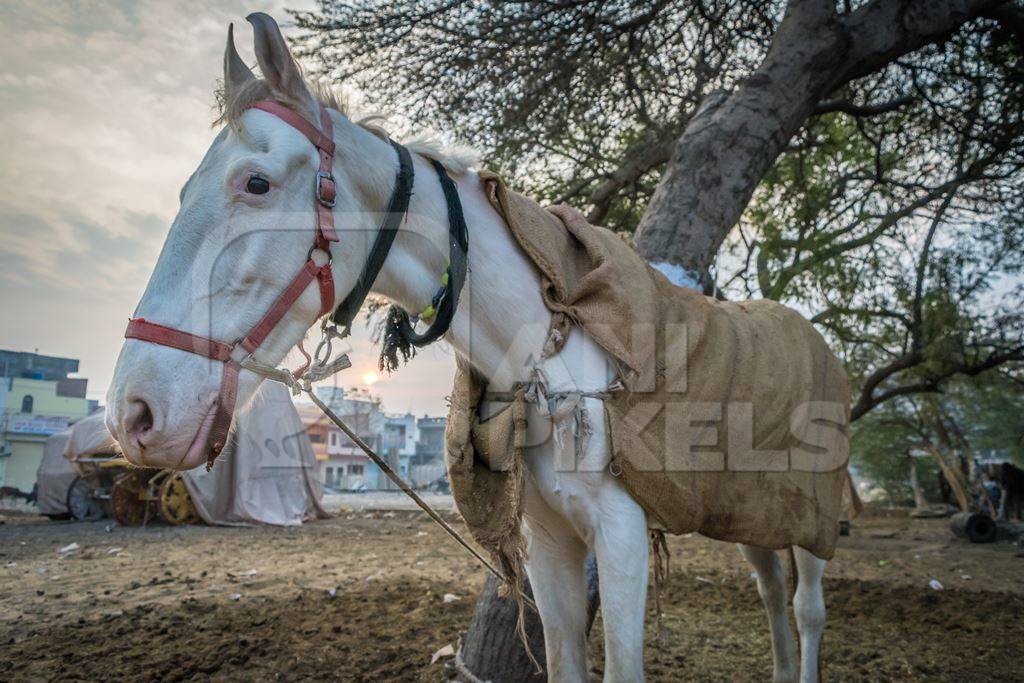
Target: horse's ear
[(236, 73), (276, 61)]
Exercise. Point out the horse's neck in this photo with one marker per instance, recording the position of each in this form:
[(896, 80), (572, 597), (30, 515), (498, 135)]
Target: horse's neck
[(501, 322)]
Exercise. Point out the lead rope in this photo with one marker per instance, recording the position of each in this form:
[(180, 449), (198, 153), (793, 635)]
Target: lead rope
[(304, 384)]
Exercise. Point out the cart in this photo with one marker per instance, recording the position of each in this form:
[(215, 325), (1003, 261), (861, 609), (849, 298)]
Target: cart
[(110, 486)]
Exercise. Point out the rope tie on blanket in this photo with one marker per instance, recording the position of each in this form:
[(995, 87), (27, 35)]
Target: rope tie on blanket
[(558, 406)]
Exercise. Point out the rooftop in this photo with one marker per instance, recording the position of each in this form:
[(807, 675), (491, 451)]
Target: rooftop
[(36, 366)]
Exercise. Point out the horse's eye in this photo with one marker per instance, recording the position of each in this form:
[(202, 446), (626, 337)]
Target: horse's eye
[(257, 185)]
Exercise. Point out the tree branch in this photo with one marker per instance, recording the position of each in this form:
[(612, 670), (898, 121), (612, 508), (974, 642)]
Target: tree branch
[(847, 107), (884, 30), (932, 384), (825, 251), (637, 161)]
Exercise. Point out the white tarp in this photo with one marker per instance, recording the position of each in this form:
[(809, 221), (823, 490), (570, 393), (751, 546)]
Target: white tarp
[(55, 475), (267, 472), (88, 436)]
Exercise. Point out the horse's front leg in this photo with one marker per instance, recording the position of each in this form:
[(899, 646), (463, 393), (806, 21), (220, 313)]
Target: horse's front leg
[(620, 545), (572, 483), (809, 608), (616, 529), (554, 564)]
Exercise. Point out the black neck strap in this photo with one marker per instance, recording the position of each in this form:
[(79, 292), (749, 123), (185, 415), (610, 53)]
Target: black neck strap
[(400, 337), (347, 311), (458, 246)]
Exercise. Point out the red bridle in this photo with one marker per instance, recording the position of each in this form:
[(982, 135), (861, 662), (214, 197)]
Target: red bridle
[(232, 355)]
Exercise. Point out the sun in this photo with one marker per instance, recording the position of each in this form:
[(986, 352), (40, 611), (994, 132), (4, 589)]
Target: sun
[(370, 378)]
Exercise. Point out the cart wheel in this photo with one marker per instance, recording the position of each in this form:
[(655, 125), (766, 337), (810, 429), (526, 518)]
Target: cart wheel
[(174, 502), (82, 503), (128, 499)]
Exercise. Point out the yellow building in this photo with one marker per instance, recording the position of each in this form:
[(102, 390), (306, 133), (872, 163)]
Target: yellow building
[(38, 399)]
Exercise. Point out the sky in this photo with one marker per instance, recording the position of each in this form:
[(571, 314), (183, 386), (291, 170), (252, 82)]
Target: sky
[(105, 110)]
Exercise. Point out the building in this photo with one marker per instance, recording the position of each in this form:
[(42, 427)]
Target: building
[(400, 438), (318, 428), (412, 447), (37, 400), (430, 445), (427, 464), (341, 464), (35, 366), (400, 435)]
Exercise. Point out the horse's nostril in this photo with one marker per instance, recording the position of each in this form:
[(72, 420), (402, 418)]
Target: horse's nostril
[(138, 421)]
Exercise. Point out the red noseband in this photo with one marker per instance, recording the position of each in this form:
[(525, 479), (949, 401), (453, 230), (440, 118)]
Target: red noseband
[(233, 354)]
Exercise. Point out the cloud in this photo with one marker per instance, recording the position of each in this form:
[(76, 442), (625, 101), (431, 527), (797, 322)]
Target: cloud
[(105, 110)]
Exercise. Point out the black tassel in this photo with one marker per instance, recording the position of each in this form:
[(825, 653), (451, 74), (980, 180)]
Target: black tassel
[(396, 340)]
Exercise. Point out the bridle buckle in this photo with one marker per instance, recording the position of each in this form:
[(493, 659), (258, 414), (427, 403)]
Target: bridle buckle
[(240, 354), (326, 188)]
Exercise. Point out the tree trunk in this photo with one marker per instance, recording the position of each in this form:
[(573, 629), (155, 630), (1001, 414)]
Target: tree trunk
[(493, 651), (919, 500), (734, 139)]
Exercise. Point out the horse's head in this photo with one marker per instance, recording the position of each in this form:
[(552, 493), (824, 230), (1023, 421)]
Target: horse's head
[(245, 228)]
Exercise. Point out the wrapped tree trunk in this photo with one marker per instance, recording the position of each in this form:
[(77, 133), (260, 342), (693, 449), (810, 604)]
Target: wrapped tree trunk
[(920, 502), (493, 651)]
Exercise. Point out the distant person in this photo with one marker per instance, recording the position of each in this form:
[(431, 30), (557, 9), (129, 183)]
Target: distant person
[(1011, 480)]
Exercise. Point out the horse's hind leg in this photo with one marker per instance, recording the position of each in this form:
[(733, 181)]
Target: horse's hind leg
[(771, 585), (809, 606)]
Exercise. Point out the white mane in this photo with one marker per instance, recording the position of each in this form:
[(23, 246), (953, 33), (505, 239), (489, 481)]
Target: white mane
[(456, 159)]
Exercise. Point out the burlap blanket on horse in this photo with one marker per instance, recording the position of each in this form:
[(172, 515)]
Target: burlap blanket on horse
[(733, 417)]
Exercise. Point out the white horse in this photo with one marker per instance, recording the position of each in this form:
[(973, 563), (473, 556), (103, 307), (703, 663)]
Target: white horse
[(236, 243)]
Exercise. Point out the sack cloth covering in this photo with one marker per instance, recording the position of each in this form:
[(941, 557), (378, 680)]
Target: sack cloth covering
[(751, 400)]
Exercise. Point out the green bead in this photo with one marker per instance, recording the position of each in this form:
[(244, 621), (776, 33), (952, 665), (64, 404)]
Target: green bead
[(427, 313), (444, 279)]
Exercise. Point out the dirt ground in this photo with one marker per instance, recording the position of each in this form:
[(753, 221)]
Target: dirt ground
[(362, 598)]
